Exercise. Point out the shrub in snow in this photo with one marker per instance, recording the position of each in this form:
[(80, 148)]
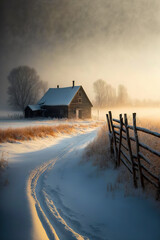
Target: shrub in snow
[(98, 150)]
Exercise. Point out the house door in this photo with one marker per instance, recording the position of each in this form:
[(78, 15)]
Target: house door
[(78, 113)]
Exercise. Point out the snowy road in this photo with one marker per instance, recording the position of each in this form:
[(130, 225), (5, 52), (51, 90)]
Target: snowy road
[(55, 225), (54, 195)]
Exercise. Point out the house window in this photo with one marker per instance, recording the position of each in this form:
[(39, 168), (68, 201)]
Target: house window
[(80, 94), (79, 100)]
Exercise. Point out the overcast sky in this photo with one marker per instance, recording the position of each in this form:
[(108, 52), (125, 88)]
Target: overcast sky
[(83, 40)]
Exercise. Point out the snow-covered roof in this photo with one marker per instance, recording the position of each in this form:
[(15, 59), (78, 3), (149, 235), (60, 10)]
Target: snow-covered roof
[(34, 107), (59, 96)]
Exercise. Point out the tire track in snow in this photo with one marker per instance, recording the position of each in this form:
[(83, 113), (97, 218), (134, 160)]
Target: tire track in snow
[(44, 222), (52, 222)]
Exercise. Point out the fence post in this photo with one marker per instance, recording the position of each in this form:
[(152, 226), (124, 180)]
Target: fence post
[(120, 138), (114, 138), (110, 134), (137, 150), (130, 151)]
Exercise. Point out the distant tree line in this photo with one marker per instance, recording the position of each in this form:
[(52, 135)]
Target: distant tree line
[(107, 96)]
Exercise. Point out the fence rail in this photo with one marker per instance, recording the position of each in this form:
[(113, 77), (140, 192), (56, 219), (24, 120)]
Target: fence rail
[(121, 145)]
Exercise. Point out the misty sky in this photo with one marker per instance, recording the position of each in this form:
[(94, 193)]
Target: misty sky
[(83, 40)]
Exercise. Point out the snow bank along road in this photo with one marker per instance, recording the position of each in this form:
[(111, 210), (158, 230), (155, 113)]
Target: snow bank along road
[(53, 195)]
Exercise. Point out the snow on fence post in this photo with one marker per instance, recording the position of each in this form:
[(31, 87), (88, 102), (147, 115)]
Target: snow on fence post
[(130, 150), (114, 138), (120, 139), (137, 151), (110, 134)]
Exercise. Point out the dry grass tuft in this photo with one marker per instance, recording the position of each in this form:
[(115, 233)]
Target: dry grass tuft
[(98, 150)]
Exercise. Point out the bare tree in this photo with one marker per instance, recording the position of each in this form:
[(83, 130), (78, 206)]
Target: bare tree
[(25, 87), (99, 87)]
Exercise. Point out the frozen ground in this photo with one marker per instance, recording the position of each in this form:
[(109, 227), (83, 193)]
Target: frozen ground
[(54, 194)]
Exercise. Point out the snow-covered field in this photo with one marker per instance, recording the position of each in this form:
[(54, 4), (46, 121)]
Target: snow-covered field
[(39, 122), (10, 119), (53, 193), (149, 113)]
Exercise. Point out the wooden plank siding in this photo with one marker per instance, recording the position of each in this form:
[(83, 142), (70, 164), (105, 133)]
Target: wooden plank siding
[(80, 103)]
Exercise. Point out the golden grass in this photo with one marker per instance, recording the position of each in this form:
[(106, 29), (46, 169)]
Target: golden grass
[(29, 133), (152, 124)]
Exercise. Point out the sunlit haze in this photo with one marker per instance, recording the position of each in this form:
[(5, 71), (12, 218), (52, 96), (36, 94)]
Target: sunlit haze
[(117, 41)]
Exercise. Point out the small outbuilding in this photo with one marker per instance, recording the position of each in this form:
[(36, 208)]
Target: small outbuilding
[(33, 111), (69, 102)]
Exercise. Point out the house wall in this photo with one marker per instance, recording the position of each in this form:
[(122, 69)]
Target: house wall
[(80, 102), (56, 111)]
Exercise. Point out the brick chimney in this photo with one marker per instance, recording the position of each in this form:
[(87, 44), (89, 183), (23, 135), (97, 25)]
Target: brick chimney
[(73, 84)]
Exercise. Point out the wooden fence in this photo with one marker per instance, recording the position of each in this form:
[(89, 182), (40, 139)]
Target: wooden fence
[(128, 149)]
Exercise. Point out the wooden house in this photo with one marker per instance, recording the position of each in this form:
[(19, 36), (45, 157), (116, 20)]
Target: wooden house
[(69, 102)]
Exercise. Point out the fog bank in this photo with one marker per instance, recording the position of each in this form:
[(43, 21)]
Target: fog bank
[(118, 41)]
